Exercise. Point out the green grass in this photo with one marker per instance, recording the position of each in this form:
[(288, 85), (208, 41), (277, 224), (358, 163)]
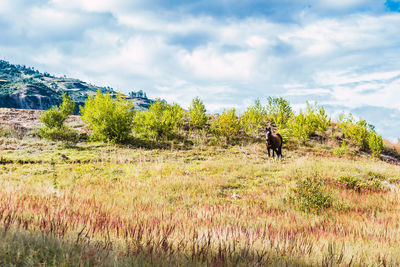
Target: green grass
[(207, 205)]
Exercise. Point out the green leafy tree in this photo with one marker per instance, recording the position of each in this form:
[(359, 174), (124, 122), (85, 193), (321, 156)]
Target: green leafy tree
[(197, 114), (162, 120), (54, 119), (279, 111), (375, 143), (307, 123), (301, 127), (109, 119), (226, 125), (253, 119), (317, 117), (355, 130)]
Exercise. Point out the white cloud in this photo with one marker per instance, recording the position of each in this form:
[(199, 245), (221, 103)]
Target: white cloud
[(347, 60)]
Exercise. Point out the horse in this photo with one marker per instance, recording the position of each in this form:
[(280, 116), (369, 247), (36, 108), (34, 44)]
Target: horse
[(274, 142)]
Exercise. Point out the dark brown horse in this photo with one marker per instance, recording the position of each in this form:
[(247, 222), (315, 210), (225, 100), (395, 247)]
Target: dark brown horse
[(274, 142)]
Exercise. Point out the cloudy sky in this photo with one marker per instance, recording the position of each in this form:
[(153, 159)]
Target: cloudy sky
[(345, 54)]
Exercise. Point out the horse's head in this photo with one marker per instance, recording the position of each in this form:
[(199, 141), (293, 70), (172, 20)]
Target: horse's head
[(267, 132)]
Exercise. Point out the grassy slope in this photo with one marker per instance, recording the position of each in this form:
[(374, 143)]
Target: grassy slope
[(207, 205)]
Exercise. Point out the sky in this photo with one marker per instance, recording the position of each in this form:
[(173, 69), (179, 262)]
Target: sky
[(344, 54)]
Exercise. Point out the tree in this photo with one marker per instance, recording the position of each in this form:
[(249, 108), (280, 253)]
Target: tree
[(301, 127), (253, 119), (375, 143), (54, 119), (226, 125), (197, 114), (161, 120), (279, 111), (355, 130), (110, 119)]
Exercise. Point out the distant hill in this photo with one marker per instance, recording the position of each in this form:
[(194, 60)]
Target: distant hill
[(26, 88)]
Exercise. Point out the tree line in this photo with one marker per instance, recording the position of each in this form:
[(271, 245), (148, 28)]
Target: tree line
[(114, 120)]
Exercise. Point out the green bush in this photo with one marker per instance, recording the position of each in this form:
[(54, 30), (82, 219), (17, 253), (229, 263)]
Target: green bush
[(375, 143), (279, 111), (310, 196), (109, 119), (161, 120), (356, 131), (317, 117), (54, 119), (301, 127), (306, 124), (286, 134), (350, 182), (361, 134), (342, 150), (253, 119), (226, 125), (197, 114), (355, 183), (56, 116)]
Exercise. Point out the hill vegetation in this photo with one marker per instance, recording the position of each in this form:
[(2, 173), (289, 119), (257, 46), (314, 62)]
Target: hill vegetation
[(27, 88), (186, 188)]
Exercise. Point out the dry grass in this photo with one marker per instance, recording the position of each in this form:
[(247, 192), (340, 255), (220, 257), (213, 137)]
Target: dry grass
[(114, 206)]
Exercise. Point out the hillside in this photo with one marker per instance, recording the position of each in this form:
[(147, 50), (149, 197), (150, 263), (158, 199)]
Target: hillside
[(26, 88), (192, 203)]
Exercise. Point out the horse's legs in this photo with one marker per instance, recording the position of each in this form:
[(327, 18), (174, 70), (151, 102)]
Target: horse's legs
[(269, 154), (280, 152), (273, 153)]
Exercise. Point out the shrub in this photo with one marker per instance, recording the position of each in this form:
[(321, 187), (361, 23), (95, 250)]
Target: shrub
[(310, 196), (253, 119), (279, 111), (350, 182), (361, 134), (56, 116), (356, 184), (161, 120), (356, 131), (108, 118), (54, 119), (286, 134), (375, 143), (317, 118), (301, 127), (340, 151), (226, 125), (197, 114)]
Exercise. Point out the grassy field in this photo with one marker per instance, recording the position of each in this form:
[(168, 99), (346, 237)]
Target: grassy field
[(98, 204)]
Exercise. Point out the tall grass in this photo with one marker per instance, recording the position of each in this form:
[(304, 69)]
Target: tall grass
[(206, 206)]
